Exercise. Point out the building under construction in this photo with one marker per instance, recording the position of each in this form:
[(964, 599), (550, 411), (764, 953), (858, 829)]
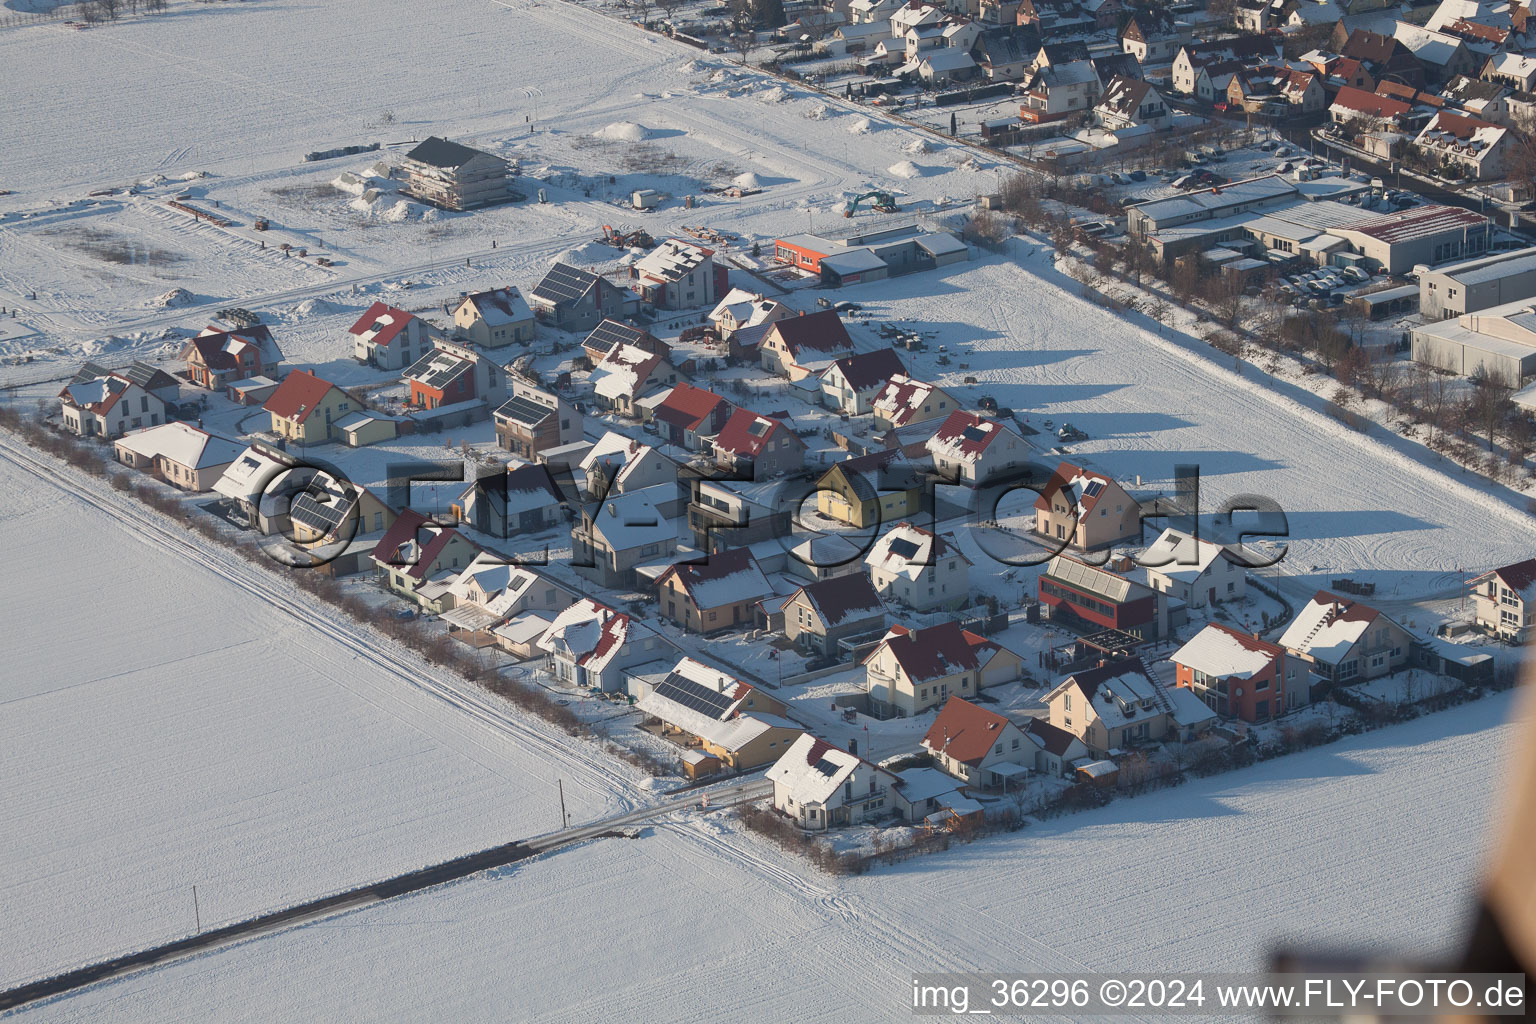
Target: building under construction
[(455, 177)]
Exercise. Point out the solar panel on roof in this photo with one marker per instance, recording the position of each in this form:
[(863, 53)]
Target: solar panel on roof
[(903, 548), (974, 434), (317, 515), (564, 283), (523, 410), (694, 696), (1093, 488)]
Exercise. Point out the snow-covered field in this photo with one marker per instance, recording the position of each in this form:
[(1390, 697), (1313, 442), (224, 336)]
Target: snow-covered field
[(1373, 843), (166, 722)]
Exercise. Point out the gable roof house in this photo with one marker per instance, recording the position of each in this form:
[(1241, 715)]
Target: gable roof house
[(867, 490), (1363, 110), (1055, 749), (914, 567), (725, 718), (1197, 572), (390, 338), (1060, 90), (798, 346), (494, 318), (1238, 675), (589, 644), (492, 590), (757, 447), (1074, 590), (1504, 601), (905, 400), (978, 746), (1384, 57), (453, 176), (977, 451), (216, 357), (1442, 56), (419, 559), (820, 786), (678, 275), (452, 375), (741, 309), (1465, 146), (102, 403), (1005, 54), (1344, 641), (532, 420), (852, 383), (573, 299), (911, 671), (621, 465), (716, 594), (610, 539), (1477, 98), (1086, 509), (1128, 102), (249, 482), (1514, 70), (1250, 50), (820, 614), (1152, 36), (1276, 91), (626, 374), (1119, 705), (178, 453), (689, 414), (524, 499), (305, 408), (611, 334)]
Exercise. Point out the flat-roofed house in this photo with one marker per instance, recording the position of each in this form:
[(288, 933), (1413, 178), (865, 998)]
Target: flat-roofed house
[(1073, 589)]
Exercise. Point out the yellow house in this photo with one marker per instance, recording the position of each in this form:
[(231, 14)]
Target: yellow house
[(307, 409), (880, 487)]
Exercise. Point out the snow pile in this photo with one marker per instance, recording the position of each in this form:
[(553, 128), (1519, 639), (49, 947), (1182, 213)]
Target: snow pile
[(353, 184), (623, 131), (860, 126), (747, 179), (917, 146), (904, 169), (588, 252), (777, 94), (366, 201), (818, 112), (176, 298), (193, 175), (318, 307), (402, 211)]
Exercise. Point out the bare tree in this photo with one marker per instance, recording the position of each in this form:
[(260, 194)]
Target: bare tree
[(743, 43), (109, 8), (642, 11), (669, 7)]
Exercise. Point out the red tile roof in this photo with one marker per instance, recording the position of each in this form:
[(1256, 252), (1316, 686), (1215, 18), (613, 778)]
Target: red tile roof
[(746, 434), (934, 652), (965, 731), (687, 406), (372, 318), (408, 528), (968, 435), (822, 331), (1065, 473), (1369, 104), (298, 395)]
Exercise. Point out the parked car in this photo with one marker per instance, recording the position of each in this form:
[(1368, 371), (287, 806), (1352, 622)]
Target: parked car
[(1138, 175)]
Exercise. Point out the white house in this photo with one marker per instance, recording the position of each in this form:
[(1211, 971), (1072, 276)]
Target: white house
[(741, 309), (1506, 600), (974, 450), (821, 786), (676, 275), (107, 404), (588, 644), (390, 338), (1196, 571), (979, 746), (917, 568), (852, 383), (905, 400)]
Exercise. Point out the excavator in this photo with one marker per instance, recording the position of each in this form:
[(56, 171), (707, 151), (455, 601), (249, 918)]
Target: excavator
[(882, 202)]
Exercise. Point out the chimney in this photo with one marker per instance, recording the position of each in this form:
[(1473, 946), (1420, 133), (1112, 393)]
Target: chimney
[(613, 509)]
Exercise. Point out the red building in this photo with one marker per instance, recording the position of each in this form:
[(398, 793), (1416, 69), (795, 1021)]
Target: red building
[(1236, 674), (1075, 589)]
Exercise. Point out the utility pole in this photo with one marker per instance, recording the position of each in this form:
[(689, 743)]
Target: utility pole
[(197, 913), (564, 818)]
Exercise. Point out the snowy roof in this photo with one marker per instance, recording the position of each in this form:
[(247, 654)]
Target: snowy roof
[(1328, 627), (251, 472), (936, 651), (949, 58), (182, 444), (965, 731), (1430, 47), (727, 577), (842, 597), (1179, 556), (918, 784), (1519, 577), (965, 437), (498, 307), (673, 260), (97, 394), (903, 397), (1121, 692), (588, 633), (745, 308), (908, 550), (1188, 709), (623, 371), (630, 520), (413, 543), (813, 769), (1094, 580), (380, 324), (1466, 136), (525, 628), (494, 584), (1222, 651)]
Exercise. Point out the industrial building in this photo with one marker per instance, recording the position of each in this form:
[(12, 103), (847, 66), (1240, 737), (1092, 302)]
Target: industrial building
[(870, 255), (1499, 342), (1476, 284)]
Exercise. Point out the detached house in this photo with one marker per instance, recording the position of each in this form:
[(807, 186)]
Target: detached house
[(757, 447), (1505, 601), (910, 671), (178, 453), (390, 338), (1086, 509), (820, 786), (1119, 705), (252, 477), (612, 334), (798, 346), (576, 300), (608, 541), (1060, 90), (719, 593), (453, 374), (1130, 102), (495, 318), (627, 373), (976, 451), (453, 176), (216, 358), (905, 401), (1465, 146), (734, 724), (102, 403), (491, 590), (589, 644), (741, 309), (1098, 597), (1344, 641), (865, 491), (820, 614), (417, 558), (533, 420), (620, 465), (1055, 749), (978, 746), (1238, 675), (919, 569), (1197, 572), (852, 383), (678, 275), (1152, 36), (305, 408), (689, 414), (524, 499)]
